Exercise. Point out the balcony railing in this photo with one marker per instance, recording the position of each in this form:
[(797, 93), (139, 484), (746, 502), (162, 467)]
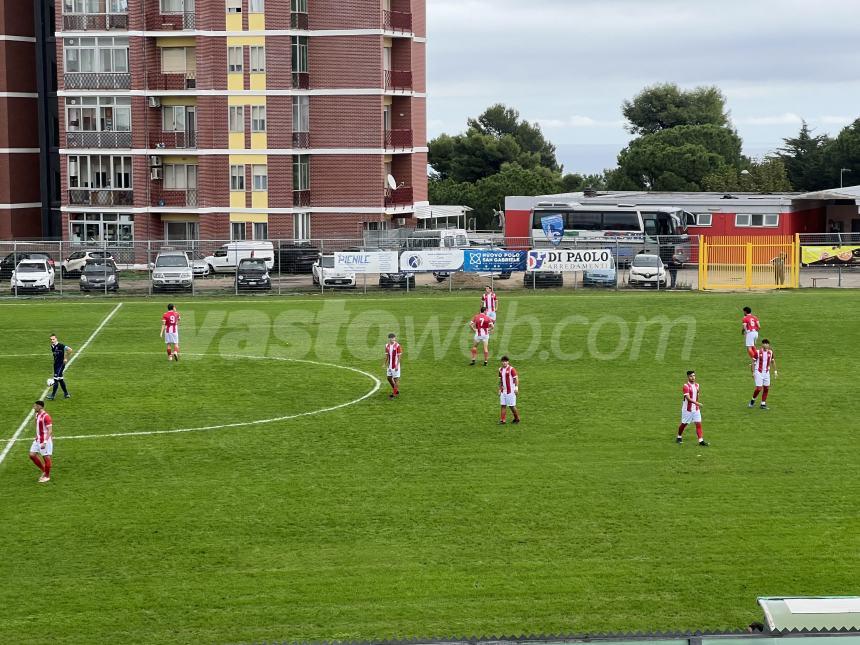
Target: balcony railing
[(398, 79), (179, 21), (301, 198), (298, 20), (97, 81), (301, 80), (100, 197), (398, 138), (301, 139), (183, 139), (398, 196), (168, 198), (396, 21), (94, 21), (159, 81), (98, 139)]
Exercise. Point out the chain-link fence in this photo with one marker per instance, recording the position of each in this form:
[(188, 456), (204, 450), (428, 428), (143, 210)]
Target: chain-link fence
[(830, 260)]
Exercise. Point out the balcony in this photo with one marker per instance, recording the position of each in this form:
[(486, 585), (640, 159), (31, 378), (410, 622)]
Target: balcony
[(100, 197), (98, 139), (97, 81), (166, 198), (159, 81), (396, 21), (301, 198), (301, 80), (298, 20), (301, 139), (399, 196), (183, 140), (95, 21), (398, 139), (178, 21), (398, 79)]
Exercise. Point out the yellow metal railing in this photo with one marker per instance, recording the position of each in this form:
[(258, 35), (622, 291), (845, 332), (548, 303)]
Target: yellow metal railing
[(759, 262)]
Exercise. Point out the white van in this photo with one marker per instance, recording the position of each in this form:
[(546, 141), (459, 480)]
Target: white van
[(227, 258), (441, 238)]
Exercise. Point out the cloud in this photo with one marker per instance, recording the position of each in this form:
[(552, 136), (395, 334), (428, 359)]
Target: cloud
[(578, 121), (788, 118), (836, 120)]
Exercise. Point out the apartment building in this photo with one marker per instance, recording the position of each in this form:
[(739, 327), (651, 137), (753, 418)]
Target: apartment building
[(240, 119)]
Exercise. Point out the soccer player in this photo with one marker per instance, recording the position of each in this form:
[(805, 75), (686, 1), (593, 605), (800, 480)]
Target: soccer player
[(393, 351), (691, 409), (509, 386), (762, 362), (61, 354), (490, 302), (750, 328), (482, 325), (170, 332), (43, 446)]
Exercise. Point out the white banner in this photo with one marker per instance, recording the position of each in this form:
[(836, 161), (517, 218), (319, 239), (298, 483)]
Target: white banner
[(366, 262), (432, 260), (570, 260)]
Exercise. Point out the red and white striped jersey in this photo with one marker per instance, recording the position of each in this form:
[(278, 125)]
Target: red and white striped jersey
[(43, 427), (171, 322), (691, 390), (392, 353), (483, 323), (763, 359), (489, 301), (751, 323), (507, 379)]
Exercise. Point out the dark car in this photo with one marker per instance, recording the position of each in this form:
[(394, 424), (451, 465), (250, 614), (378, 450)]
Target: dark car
[(100, 276), (543, 279), (296, 258), (252, 274), (394, 280), (7, 266)]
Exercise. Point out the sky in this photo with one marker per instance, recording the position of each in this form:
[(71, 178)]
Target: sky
[(569, 64)]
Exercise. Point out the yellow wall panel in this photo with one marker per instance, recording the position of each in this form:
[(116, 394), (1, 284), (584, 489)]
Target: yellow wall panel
[(181, 41), (178, 100), (237, 141), (256, 21), (260, 199), (246, 100), (255, 218), (237, 41), (235, 81), (259, 141), (248, 159), (237, 199), (234, 22), (175, 159), (258, 81)]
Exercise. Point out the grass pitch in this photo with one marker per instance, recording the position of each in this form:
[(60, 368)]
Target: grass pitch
[(422, 516)]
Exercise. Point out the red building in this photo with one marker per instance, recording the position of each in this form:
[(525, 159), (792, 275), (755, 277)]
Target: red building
[(240, 119)]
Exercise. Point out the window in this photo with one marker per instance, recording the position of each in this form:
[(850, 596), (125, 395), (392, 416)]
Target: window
[(299, 6), (771, 220), (80, 6), (301, 114), (302, 226), (234, 6), (237, 230), (181, 231), (180, 177), (177, 6), (101, 227), (99, 172), (386, 59), (237, 118), (261, 231), (258, 118), (260, 175), (237, 178), (101, 55), (178, 60), (299, 52), (256, 6), (742, 219), (173, 118), (235, 60), (301, 172), (704, 219), (257, 56), (98, 114), (621, 222)]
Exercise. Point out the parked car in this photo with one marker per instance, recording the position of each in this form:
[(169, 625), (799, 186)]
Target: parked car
[(647, 271), (172, 271), (600, 278), (75, 263), (227, 258), (324, 273), (100, 276), (296, 258), (32, 275), (7, 266), (394, 280), (253, 274), (543, 279), (198, 263)]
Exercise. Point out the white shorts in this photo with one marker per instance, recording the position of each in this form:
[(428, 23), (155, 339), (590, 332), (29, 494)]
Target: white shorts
[(492, 315), (393, 373), (171, 337), (48, 450), (751, 337), (693, 416), (761, 379), (509, 400), (482, 338)]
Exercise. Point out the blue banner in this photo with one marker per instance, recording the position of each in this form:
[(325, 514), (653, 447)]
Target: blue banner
[(553, 228), (482, 260)]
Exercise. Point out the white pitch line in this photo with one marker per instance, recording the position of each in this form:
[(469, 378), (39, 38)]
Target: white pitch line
[(29, 416)]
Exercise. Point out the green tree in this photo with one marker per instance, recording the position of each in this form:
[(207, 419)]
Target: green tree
[(664, 106), (843, 152), (804, 160), (768, 176), (500, 120)]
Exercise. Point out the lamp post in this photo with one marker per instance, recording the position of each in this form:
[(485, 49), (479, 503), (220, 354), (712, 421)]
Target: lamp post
[(842, 172)]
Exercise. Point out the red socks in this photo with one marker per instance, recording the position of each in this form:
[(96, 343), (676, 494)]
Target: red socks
[(764, 396), (169, 352), (47, 469), (681, 429), (504, 413), (38, 461), (757, 392), (699, 431)]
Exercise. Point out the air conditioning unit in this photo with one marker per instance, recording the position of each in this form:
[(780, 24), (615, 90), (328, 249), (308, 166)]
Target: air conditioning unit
[(154, 102), (155, 173), (155, 161)]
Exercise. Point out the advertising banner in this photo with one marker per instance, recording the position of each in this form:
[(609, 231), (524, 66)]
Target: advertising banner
[(366, 262), (570, 260), (830, 254), (553, 228), (491, 260), (447, 260)]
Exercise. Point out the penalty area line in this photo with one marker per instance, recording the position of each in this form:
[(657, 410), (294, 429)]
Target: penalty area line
[(11, 442)]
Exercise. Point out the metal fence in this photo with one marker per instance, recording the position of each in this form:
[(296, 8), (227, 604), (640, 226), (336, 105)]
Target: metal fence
[(829, 260)]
